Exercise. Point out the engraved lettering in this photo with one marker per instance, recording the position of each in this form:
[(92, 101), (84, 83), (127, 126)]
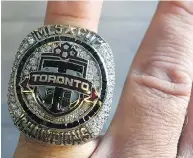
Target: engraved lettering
[(60, 80), (22, 124), (76, 138), (97, 42), (67, 138), (85, 134), (81, 33), (39, 133), (76, 83), (35, 76), (40, 33), (34, 131), (57, 138), (27, 127), (52, 78), (19, 119), (69, 31), (50, 30), (58, 29), (43, 78), (48, 136), (68, 81), (90, 37), (85, 86)]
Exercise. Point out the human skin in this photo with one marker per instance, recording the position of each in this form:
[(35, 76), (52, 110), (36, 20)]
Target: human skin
[(150, 119)]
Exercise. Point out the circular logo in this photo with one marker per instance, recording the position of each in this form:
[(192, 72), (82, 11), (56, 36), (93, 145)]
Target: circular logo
[(61, 83)]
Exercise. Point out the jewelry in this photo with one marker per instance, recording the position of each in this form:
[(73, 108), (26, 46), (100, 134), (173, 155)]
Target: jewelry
[(61, 85)]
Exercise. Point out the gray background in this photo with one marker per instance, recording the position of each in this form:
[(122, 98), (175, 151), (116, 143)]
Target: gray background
[(122, 24)]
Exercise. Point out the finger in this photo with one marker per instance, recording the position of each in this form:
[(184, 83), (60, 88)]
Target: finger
[(156, 94), (28, 148), (85, 14), (186, 140)]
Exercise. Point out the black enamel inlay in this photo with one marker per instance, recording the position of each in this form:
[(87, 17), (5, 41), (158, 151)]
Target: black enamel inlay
[(49, 124)]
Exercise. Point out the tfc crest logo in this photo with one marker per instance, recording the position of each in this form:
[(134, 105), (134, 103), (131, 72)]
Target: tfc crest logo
[(60, 84)]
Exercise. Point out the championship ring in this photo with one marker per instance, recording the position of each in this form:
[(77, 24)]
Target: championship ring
[(61, 85)]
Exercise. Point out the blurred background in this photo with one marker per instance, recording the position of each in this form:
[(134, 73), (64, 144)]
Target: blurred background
[(123, 25)]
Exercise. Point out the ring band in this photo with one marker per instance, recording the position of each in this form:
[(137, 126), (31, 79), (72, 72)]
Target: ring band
[(61, 85)]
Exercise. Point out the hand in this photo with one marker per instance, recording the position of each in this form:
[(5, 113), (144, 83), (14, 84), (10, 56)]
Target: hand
[(153, 106)]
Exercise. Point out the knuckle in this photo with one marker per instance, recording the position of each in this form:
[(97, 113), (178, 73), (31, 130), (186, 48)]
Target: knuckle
[(159, 103), (66, 9), (176, 39), (67, 17), (182, 7), (173, 53), (166, 76), (175, 25), (178, 10), (73, 19), (73, 11), (169, 67), (171, 57)]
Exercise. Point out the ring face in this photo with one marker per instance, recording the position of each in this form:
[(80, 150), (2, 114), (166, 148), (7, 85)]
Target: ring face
[(61, 85)]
